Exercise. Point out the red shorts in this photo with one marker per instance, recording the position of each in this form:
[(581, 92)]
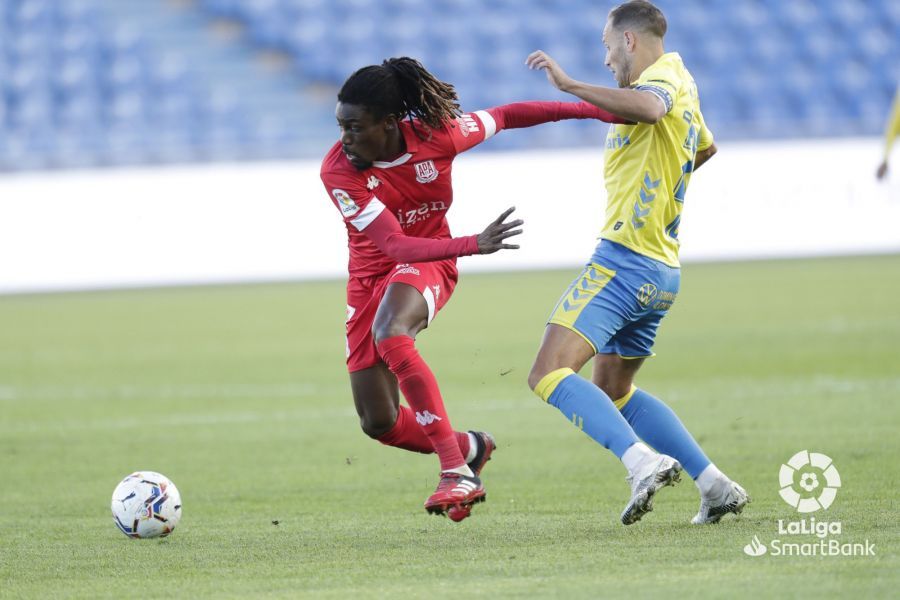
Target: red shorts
[(434, 280)]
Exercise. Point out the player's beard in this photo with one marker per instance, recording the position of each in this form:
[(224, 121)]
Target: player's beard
[(625, 80)]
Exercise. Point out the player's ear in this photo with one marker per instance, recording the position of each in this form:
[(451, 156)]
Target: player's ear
[(390, 122), (630, 40)]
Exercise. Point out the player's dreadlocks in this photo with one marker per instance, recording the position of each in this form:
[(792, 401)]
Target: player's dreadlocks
[(402, 87)]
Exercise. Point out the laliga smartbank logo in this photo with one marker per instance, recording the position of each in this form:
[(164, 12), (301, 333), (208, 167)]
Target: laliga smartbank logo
[(809, 482), (816, 477)]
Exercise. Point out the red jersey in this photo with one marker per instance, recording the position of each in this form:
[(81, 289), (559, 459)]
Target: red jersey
[(416, 188)]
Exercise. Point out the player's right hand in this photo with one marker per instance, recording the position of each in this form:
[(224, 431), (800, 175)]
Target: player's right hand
[(491, 239), (555, 74)]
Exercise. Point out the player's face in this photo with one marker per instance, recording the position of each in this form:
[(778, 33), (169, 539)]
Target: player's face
[(618, 60), (363, 137)]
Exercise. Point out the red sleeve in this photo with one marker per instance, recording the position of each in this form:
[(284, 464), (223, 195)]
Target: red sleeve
[(385, 232), (471, 129), (350, 195), (362, 209), (528, 114)]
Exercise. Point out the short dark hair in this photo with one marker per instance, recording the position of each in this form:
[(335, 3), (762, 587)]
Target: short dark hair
[(638, 15), (404, 88)]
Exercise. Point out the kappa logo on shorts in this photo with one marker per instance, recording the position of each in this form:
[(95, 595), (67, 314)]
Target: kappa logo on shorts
[(646, 294), (426, 418), (426, 172)]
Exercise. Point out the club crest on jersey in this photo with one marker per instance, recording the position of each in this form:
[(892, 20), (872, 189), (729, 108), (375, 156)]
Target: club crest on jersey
[(345, 202), (426, 171)]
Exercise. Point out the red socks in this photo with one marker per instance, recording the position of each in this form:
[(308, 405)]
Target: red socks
[(409, 435), (421, 391)]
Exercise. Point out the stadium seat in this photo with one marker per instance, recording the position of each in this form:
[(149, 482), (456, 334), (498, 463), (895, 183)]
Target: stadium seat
[(92, 82)]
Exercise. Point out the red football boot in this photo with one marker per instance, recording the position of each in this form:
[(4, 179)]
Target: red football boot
[(455, 490), (486, 445)]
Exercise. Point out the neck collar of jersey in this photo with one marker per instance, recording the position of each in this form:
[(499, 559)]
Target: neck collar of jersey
[(412, 146), (666, 56)]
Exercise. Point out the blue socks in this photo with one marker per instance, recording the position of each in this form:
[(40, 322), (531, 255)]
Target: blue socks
[(588, 408), (592, 411), (660, 427)]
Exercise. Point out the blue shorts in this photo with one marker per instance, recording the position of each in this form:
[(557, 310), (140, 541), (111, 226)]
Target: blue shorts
[(619, 299)]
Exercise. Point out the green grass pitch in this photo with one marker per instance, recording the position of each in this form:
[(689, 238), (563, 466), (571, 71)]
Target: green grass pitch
[(239, 394)]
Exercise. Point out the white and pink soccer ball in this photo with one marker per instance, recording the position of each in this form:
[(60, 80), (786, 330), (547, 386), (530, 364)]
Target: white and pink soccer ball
[(146, 505)]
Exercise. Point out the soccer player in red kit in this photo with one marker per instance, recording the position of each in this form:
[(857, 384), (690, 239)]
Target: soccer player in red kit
[(390, 177)]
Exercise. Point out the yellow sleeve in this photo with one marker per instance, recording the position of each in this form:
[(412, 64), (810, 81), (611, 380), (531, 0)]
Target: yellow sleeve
[(705, 139), (662, 82), (893, 126)]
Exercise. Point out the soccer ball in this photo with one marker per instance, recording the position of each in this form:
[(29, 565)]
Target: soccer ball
[(146, 505)]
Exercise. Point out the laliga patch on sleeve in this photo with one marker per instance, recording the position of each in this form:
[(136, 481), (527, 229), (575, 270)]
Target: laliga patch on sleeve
[(345, 202)]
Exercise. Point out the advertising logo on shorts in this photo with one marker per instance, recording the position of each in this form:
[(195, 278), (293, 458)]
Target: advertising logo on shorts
[(809, 481), (426, 171), (646, 294), (345, 202)]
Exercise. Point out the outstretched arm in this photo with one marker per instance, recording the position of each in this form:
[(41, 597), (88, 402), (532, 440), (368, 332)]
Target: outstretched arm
[(634, 105), (471, 129), (385, 232), (365, 213), (529, 114)]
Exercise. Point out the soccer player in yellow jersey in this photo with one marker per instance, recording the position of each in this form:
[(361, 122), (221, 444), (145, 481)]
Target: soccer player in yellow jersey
[(612, 310), (890, 134)]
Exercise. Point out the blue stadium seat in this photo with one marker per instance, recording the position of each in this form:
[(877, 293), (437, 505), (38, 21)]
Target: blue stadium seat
[(85, 82)]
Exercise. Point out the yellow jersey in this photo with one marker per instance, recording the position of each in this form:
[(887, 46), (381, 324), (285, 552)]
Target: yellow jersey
[(648, 167)]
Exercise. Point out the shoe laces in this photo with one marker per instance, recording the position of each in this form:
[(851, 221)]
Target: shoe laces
[(448, 480)]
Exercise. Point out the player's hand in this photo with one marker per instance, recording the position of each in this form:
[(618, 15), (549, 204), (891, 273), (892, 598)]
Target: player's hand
[(882, 171), (555, 74), (491, 239)]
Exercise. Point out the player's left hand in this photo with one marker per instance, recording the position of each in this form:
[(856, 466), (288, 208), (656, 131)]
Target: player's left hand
[(492, 238), (555, 74)]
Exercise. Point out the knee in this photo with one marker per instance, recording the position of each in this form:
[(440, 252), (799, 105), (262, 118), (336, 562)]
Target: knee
[(560, 349), (545, 363), (385, 330), (613, 387), (537, 373), (374, 426), (388, 328)]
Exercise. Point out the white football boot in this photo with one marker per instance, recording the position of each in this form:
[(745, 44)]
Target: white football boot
[(727, 498), (651, 475)]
